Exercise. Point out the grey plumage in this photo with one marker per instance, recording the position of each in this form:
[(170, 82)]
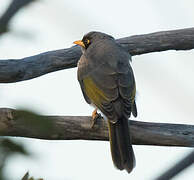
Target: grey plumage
[(106, 64)]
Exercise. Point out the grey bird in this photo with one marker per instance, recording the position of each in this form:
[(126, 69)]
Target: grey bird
[(107, 82)]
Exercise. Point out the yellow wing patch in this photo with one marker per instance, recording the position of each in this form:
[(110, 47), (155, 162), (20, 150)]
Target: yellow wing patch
[(93, 92)]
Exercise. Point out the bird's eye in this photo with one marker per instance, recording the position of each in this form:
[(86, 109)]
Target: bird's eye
[(87, 41)]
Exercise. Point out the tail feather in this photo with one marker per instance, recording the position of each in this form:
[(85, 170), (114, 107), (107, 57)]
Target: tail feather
[(134, 109), (120, 142), (113, 143)]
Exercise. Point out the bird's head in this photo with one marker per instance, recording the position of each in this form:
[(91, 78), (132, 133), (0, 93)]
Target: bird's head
[(90, 38)]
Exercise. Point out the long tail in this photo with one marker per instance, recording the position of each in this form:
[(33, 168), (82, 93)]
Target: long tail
[(120, 143)]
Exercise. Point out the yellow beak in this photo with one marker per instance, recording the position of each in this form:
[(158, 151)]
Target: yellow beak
[(80, 43)]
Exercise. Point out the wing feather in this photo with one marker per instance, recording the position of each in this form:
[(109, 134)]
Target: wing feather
[(108, 84)]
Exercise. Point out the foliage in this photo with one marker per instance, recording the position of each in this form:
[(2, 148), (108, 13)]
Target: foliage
[(26, 177), (8, 147)]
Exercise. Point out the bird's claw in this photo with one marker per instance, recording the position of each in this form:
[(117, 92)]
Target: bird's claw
[(95, 116)]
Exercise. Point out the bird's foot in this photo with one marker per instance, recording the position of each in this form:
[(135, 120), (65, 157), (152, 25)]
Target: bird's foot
[(95, 116)]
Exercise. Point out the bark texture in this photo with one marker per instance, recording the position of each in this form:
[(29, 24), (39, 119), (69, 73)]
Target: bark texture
[(13, 123), (14, 70)]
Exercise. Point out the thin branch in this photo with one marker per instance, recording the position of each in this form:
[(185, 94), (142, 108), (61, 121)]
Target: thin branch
[(79, 127), (178, 167), (12, 9), (13, 70)]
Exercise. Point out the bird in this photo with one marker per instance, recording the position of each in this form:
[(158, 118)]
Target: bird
[(107, 82)]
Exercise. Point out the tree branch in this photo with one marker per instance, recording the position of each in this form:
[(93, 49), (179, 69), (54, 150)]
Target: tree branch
[(178, 167), (12, 9), (182, 39), (14, 70), (79, 127)]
